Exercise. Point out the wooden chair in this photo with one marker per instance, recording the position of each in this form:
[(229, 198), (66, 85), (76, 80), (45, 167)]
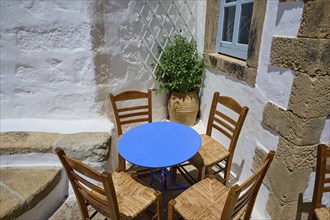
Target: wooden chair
[(126, 113), (322, 183), (212, 152), (209, 199), (115, 195)]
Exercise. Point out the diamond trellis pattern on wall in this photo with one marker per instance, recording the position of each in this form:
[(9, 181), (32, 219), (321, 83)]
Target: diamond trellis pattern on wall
[(161, 20)]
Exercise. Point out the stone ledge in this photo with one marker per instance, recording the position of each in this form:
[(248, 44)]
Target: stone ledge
[(85, 146), (23, 188)]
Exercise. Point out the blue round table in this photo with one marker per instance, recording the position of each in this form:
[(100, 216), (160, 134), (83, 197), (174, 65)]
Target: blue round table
[(159, 145)]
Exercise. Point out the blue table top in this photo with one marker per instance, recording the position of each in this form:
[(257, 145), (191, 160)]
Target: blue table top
[(159, 144)]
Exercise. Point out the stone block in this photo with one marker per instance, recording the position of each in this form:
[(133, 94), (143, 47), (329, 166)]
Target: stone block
[(305, 55), (297, 130), (255, 36), (31, 185), (10, 204), (296, 157), (86, 146), (232, 67), (315, 20), (280, 210), (26, 142), (258, 158), (212, 10), (287, 185), (310, 96)]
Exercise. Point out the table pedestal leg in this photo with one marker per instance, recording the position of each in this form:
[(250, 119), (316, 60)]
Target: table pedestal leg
[(165, 175)]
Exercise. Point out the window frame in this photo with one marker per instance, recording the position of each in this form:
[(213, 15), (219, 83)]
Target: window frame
[(246, 70), (232, 48)]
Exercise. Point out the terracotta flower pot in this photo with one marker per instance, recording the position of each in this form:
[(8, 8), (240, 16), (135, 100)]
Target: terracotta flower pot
[(183, 107)]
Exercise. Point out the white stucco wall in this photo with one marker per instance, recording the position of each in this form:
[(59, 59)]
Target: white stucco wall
[(273, 84), (48, 70), (126, 52), (46, 60)]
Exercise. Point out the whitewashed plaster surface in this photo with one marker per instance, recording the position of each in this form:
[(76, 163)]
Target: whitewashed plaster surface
[(126, 53), (46, 60), (48, 70), (273, 84)]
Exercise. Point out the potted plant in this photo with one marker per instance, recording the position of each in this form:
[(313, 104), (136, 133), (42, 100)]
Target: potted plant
[(181, 73)]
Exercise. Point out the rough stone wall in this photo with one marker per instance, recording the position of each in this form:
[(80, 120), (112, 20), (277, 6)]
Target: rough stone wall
[(301, 124)]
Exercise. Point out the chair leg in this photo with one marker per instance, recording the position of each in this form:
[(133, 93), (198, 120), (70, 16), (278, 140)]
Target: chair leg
[(160, 206), (227, 175), (121, 163), (170, 213), (82, 206), (174, 172), (201, 173)]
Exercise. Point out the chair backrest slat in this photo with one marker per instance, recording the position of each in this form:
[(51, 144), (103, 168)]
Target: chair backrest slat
[(128, 114), (81, 168), (224, 124), (229, 127), (244, 195), (223, 131), (88, 184), (133, 121), (230, 103), (137, 108), (133, 108), (128, 95), (227, 118), (243, 199), (133, 114), (87, 192), (93, 198)]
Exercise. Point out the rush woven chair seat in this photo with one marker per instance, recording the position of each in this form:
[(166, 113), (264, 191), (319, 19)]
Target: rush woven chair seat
[(131, 108), (210, 199), (322, 184), (226, 117), (116, 195), (322, 213)]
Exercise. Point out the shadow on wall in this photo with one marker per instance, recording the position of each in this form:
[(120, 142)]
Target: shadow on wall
[(303, 207), (238, 171), (284, 6)]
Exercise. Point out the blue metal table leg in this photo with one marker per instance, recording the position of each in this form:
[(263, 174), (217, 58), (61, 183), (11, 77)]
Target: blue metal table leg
[(166, 174)]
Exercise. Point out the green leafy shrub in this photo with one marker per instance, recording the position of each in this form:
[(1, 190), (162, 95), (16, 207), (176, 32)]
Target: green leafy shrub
[(181, 69)]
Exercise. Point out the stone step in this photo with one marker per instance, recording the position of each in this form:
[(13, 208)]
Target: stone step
[(21, 189), (85, 146)]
